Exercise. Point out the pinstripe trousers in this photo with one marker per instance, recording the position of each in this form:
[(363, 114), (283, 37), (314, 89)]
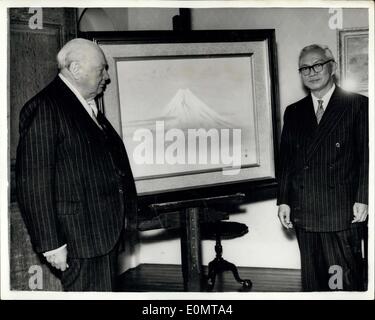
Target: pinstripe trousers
[(97, 273), (324, 253), (92, 274)]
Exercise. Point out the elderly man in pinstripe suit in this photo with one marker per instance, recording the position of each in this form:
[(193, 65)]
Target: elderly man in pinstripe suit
[(72, 171), (323, 176)]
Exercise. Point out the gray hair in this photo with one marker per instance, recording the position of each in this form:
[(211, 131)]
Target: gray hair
[(73, 50), (324, 49)]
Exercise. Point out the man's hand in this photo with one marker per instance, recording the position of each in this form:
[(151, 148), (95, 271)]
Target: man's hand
[(284, 216), (359, 212), (59, 259)]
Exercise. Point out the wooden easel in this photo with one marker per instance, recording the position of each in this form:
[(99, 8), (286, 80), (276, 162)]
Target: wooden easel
[(190, 214)]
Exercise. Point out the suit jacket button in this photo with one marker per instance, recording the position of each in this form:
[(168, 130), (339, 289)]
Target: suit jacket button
[(306, 167), (337, 145)]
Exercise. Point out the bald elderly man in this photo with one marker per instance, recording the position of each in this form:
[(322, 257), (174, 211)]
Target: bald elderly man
[(323, 180), (72, 172)]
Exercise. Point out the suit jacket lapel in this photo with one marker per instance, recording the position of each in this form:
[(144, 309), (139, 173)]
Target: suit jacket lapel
[(306, 123), (75, 109), (308, 118), (331, 117)]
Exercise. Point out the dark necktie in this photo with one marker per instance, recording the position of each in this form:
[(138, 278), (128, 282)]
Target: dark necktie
[(320, 111), (94, 112), (100, 118)]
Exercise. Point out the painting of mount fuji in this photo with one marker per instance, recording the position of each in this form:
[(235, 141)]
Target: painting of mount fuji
[(195, 110), (187, 115)]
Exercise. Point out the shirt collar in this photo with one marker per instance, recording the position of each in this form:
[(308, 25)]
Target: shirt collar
[(325, 98), (89, 106)]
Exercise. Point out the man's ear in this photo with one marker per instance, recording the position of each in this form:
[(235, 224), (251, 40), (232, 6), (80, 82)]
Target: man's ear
[(333, 68), (74, 69)]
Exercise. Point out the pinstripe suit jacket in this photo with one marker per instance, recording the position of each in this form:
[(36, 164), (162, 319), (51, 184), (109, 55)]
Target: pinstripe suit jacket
[(324, 168), (69, 175)]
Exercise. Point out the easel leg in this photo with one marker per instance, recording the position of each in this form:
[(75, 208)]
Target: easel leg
[(191, 250)]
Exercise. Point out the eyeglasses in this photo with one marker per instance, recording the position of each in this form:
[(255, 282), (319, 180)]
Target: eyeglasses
[(318, 67)]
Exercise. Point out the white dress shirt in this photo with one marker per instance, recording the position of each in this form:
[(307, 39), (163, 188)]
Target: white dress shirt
[(325, 99), (89, 105)]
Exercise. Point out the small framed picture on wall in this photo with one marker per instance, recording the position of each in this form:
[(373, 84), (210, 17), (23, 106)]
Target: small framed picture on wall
[(353, 59)]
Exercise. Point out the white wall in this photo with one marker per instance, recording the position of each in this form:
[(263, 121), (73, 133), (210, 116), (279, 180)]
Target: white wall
[(151, 18), (266, 244), (295, 28), (122, 19)]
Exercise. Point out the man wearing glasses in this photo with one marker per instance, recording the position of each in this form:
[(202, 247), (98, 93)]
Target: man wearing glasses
[(323, 176)]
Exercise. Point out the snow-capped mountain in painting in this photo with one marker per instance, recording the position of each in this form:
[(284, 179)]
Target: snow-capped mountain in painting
[(186, 110)]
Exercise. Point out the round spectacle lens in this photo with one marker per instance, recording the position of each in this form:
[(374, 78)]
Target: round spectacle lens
[(318, 67), (305, 71)]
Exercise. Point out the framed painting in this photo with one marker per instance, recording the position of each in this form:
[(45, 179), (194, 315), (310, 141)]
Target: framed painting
[(353, 59), (195, 109)]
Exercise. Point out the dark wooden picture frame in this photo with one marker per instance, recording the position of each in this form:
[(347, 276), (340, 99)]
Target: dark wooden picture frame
[(353, 59), (254, 189)]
